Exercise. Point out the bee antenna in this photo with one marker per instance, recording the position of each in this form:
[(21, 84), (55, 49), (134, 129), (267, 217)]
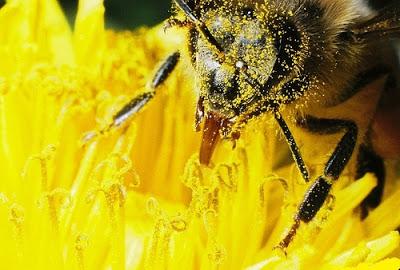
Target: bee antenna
[(199, 24)]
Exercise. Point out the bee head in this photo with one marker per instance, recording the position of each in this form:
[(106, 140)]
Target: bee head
[(259, 52), (242, 55)]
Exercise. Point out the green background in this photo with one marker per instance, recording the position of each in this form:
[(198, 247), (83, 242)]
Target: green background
[(124, 14), (128, 14)]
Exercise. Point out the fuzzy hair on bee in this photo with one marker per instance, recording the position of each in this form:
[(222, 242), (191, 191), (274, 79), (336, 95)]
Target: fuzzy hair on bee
[(320, 68)]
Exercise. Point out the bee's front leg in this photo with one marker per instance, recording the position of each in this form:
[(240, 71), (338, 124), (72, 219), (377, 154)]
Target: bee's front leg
[(293, 146), (319, 190), (138, 102)]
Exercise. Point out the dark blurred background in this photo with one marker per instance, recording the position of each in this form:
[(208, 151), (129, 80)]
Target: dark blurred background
[(128, 14), (124, 14)]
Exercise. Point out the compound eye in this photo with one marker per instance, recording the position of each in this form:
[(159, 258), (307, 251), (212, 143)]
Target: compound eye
[(288, 44)]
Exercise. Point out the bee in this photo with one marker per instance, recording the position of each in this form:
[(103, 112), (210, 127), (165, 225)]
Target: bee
[(318, 67)]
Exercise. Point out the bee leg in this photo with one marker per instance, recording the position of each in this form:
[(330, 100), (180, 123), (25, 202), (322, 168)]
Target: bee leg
[(293, 146), (369, 161), (319, 190), (138, 102), (200, 25), (174, 22)]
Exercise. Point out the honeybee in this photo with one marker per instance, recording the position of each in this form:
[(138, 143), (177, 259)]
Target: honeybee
[(320, 67)]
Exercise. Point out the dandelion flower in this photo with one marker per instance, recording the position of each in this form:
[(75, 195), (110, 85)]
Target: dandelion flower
[(137, 198)]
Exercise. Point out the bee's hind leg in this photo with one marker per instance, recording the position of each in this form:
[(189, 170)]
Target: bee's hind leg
[(318, 192), (138, 102)]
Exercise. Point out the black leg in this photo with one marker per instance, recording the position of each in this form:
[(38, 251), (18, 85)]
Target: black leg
[(191, 15), (293, 146), (165, 70), (368, 161), (319, 190), (131, 108), (138, 102)]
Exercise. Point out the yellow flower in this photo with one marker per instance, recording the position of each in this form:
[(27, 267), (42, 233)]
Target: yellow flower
[(137, 198)]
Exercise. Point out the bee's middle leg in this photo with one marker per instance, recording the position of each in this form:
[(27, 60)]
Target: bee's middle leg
[(318, 192)]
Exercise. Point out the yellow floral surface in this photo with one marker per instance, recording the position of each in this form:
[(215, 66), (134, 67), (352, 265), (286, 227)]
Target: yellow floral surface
[(136, 197)]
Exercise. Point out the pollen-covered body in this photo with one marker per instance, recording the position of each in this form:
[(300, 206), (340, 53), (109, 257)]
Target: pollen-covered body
[(297, 55)]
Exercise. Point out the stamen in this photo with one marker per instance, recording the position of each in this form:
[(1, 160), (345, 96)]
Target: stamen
[(227, 178), (46, 155), (81, 243), (179, 224), (216, 252)]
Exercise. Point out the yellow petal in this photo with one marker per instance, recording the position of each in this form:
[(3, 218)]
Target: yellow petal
[(53, 34), (370, 252), (384, 218), (32, 32), (89, 34)]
